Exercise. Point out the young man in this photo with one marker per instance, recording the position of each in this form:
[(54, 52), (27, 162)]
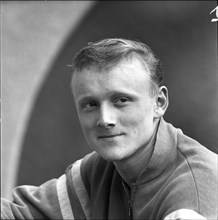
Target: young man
[(141, 167)]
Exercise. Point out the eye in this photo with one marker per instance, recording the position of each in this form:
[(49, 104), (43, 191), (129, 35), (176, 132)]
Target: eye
[(89, 106), (121, 101)]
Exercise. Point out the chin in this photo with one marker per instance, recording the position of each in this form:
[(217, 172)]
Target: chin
[(112, 152), (113, 156)]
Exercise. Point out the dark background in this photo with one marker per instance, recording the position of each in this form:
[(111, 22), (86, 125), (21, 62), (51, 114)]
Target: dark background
[(179, 32)]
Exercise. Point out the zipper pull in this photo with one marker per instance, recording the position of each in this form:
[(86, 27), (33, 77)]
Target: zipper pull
[(130, 208)]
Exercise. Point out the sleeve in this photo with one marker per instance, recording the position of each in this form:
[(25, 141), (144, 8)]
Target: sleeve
[(43, 202), (77, 192), (184, 214), (63, 198)]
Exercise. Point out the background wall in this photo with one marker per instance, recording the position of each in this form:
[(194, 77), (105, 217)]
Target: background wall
[(33, 33), (180, 32)]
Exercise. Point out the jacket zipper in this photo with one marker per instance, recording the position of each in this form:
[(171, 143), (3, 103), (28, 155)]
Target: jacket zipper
[(129, 193)]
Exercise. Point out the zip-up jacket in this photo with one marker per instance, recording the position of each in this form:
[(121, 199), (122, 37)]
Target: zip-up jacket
[(179, 182)]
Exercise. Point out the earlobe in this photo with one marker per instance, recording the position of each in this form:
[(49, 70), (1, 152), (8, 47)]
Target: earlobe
[(162, 102)]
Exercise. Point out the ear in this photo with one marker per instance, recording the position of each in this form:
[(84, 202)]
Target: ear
[(162, 102)]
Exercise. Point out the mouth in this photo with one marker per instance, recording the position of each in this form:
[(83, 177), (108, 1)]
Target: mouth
[(107, 136)]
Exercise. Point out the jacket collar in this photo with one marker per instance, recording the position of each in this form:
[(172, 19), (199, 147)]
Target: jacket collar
[(164, 152)]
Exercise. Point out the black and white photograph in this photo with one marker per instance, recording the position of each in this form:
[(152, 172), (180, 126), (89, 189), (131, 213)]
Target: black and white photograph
[(109, 110)]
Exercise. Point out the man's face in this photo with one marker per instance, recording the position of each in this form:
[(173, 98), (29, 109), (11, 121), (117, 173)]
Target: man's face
[(115, 109)]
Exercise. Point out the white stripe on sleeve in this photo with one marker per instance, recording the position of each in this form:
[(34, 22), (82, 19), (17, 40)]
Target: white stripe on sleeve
[(184, 214), (80, 189), (63, 198)]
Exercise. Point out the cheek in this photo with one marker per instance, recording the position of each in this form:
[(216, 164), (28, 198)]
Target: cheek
[(138, 122), (133, 120), (86, 123)]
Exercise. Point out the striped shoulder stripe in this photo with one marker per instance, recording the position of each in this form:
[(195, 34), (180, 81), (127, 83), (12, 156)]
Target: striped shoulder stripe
[(184, 214), (63, 198), (74, 200), (80, 188)]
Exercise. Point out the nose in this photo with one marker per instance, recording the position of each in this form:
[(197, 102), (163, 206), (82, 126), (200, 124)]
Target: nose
[(107, 117)]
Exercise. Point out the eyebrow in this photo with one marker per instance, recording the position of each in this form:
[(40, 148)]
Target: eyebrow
[(85, 99), (112, 94)]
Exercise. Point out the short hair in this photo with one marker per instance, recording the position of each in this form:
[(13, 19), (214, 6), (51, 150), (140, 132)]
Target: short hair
[(105, 53)]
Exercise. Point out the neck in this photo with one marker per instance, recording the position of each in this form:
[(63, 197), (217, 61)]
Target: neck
[(131, 168)]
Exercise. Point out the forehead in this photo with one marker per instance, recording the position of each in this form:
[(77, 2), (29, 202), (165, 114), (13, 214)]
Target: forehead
[(128, 75)]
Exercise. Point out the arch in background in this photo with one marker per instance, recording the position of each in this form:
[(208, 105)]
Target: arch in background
[(185, 40)]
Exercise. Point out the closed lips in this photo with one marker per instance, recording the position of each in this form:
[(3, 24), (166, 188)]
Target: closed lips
[(109, 136)]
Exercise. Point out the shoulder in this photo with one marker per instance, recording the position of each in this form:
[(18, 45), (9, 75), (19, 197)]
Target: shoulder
[(89, 170), (200, 160), (194, 181), (80, 179)]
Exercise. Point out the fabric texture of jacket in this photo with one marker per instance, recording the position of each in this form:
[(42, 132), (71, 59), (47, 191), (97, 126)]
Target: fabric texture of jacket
[(179, 182)]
